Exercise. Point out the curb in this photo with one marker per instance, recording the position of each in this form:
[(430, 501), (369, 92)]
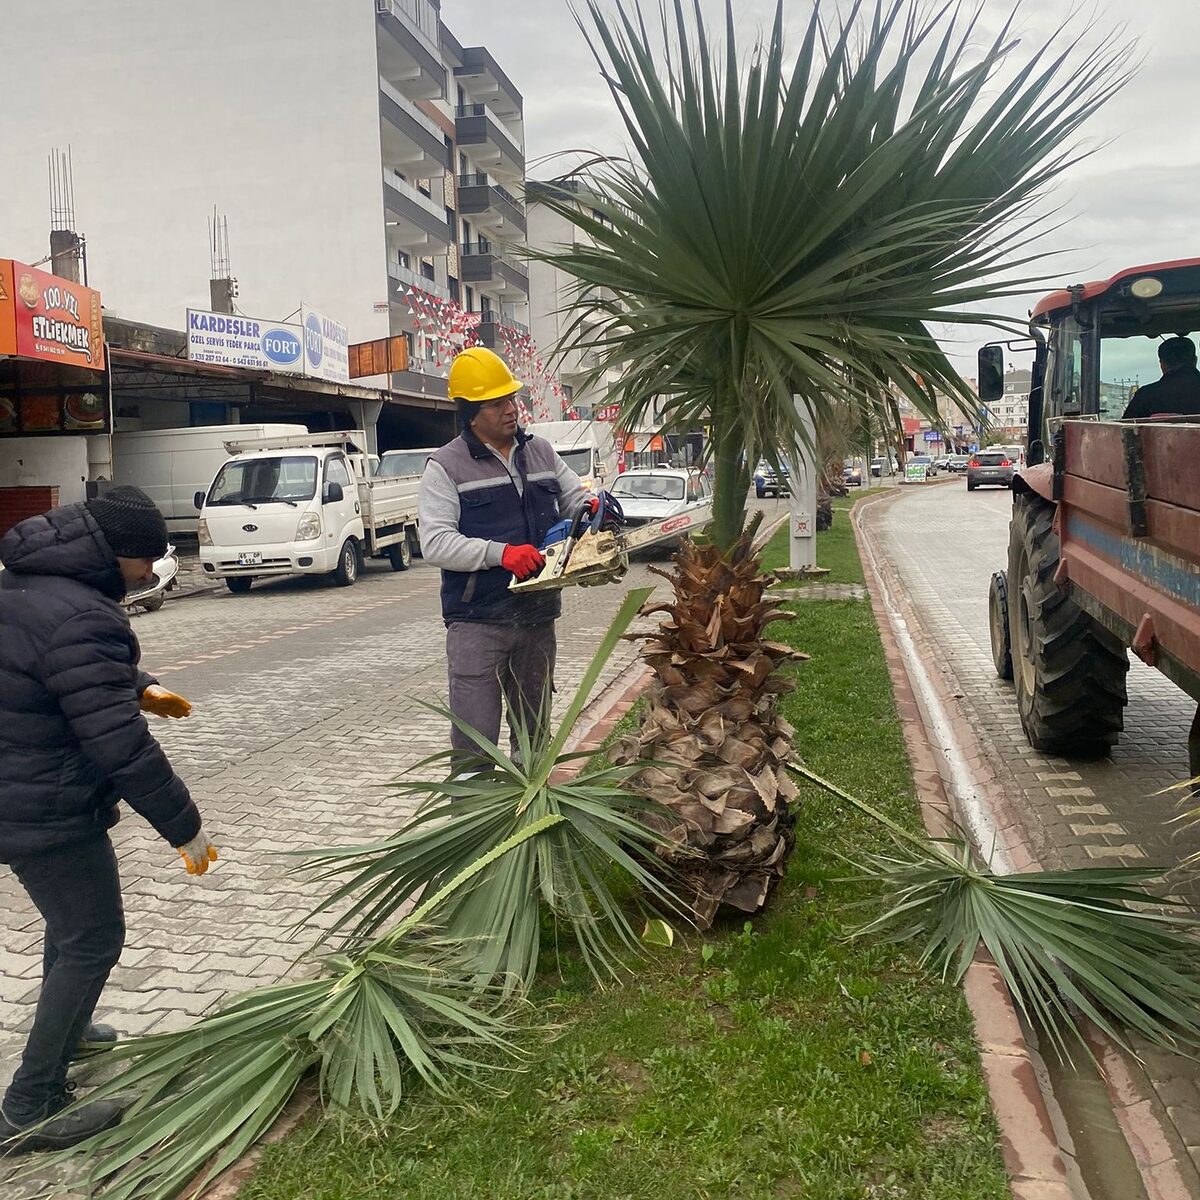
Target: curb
[(1154, 1146)]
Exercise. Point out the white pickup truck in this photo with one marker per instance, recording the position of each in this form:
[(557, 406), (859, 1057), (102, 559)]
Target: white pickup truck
[(304, 504)]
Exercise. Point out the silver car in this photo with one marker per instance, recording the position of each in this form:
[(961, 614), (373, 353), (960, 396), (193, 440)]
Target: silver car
[(990, 467)]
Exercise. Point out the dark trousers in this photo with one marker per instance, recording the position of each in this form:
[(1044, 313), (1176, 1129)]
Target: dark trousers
[(493, 664), (77, 889)]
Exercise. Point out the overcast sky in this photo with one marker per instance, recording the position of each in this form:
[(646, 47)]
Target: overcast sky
[(1135, 201)]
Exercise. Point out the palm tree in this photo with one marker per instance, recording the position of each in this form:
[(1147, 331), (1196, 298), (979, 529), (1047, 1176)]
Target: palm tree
[(788, 232)]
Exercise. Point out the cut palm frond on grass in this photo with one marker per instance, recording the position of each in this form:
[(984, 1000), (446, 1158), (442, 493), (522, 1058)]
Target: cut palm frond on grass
[(1088, 939), (404, 1009), (569, 870)]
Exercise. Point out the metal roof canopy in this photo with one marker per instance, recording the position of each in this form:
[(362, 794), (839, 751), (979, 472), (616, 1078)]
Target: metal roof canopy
[(168, 377)]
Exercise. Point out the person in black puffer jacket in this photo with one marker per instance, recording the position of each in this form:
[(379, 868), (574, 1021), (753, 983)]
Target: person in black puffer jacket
[(74, 742)]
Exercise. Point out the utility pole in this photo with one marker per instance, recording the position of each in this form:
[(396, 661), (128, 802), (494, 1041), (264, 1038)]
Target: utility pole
[(803, 466)]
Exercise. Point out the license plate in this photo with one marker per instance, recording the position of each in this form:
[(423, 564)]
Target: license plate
[(251, 558)]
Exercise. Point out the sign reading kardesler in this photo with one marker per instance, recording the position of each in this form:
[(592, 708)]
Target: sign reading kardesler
[(236, 341), (49, 319)]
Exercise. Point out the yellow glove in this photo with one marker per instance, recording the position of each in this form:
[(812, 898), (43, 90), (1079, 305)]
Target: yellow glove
[(197, 853), (162, 703)]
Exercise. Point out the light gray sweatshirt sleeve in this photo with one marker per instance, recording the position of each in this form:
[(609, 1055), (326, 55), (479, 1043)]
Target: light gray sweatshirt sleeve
[(438, 512)]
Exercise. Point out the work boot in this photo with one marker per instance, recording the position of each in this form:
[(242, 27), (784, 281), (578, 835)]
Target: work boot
[(94, 1036), (46, 1131)]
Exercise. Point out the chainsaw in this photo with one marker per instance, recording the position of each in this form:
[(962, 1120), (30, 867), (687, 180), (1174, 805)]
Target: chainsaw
[(593, 548)]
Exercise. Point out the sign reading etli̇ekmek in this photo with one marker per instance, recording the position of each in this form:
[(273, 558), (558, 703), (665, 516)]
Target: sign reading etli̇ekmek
[(237, 341), (326, 346)]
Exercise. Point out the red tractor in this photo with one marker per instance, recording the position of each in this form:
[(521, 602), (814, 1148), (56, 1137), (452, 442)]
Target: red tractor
[(1104, 544)]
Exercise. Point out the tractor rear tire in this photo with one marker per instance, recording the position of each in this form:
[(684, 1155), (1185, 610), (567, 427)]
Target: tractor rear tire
[(1069, 670)]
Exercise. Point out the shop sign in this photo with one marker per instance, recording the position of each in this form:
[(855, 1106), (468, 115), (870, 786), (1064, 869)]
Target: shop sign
[(326, 346), (608, 412), (48, 319), (235, 341)]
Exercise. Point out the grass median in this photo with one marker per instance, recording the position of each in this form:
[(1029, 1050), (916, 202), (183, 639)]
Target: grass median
[(769, 1059)]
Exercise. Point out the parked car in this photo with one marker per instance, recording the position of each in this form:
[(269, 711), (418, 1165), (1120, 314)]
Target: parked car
[(881, 467), (769, 482), (957, 463), (649, 494), (852, 475), (396, 464), (923, 460), (990, 467), (942, 462)]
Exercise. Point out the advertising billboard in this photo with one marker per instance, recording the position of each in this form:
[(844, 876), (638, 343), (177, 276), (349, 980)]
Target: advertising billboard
[(230, 340), (326, 346), (48, 319)]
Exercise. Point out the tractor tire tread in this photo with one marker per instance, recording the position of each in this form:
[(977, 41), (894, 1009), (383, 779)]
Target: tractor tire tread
[(1079, 696)]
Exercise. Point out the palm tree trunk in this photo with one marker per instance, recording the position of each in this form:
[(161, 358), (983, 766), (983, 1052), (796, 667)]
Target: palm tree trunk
[(718, 748), (730, 484)]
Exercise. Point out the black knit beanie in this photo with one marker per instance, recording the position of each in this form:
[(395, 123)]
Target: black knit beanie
[(130, 522)]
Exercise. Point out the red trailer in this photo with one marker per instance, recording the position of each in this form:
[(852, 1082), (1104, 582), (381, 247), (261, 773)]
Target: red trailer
[(1104, 544)]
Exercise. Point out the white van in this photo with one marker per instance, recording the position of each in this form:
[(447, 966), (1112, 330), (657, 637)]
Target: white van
[(303, 505), (171, 465), (587, 447)]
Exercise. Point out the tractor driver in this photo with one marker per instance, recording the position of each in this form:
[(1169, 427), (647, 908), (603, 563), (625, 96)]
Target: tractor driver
[(1178, 391), (487, 501)]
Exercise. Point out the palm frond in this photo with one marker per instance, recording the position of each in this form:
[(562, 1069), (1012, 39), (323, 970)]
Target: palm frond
[(589, 831), (796, 226), (406, 1007), (1094, 940)]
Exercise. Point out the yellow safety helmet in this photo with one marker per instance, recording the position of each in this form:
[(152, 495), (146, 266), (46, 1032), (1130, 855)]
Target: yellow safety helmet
[(478, 375)]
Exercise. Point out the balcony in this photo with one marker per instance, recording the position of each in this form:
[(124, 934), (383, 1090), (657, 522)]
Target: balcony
[(420, 383), (409, 138), (479, 130), (481, 262), (413, 219), (493, 208), (406, 277), (409, 54), (490, 83), (490, 334)]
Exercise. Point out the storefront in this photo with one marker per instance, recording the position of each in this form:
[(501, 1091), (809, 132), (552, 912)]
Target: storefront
[(55, 404)]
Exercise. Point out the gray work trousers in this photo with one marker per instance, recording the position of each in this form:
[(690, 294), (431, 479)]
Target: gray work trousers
[(490, 665)]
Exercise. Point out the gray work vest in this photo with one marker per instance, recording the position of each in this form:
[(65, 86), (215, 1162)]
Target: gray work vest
[(490, 507)]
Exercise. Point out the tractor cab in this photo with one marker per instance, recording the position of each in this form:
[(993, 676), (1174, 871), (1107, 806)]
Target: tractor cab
[(1094, 344)]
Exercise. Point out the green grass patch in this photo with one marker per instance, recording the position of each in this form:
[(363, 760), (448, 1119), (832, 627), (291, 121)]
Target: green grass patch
[(766, 1060)]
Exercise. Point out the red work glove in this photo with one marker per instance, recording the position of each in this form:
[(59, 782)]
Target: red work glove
[(522, 561)]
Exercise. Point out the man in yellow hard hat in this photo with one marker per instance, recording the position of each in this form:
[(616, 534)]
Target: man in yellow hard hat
[(488, 499)]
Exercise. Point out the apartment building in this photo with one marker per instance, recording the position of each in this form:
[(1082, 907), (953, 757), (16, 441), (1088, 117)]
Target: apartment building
[(552, 293), (368, 164), (452, 140)]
